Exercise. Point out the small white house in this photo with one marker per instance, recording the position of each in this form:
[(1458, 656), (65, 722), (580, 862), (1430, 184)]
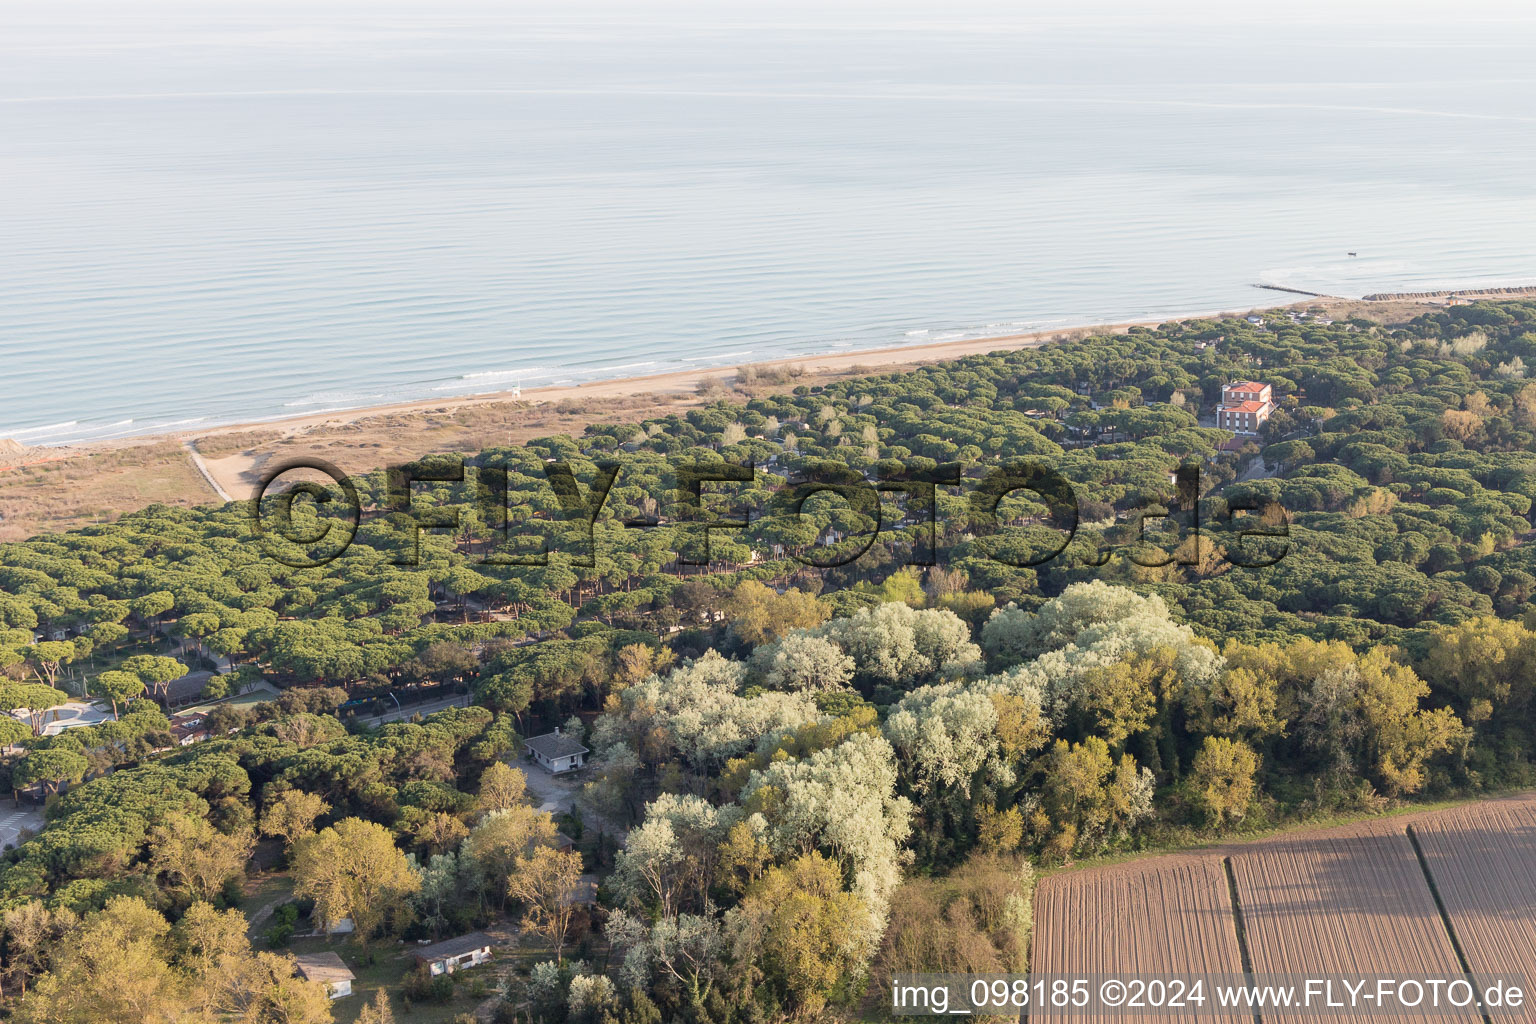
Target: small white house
[(451, 955), (556, 752), (327, 969)]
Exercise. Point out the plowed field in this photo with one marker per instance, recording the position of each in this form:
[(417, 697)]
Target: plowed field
[(1483, 861), (1165, 916), (1348, 901), (1354, 900)]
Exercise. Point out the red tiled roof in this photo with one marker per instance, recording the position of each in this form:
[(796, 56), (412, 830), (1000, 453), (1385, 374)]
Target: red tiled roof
[(1248, 406), (1246, 385)]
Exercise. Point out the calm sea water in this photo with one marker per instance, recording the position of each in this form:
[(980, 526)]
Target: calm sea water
[(213, 214)]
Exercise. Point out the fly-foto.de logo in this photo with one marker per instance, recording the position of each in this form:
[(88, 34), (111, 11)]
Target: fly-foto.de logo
[(823, 514)]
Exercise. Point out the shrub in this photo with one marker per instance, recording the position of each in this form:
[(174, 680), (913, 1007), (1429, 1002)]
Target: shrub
[(422, 986), (279, 935)]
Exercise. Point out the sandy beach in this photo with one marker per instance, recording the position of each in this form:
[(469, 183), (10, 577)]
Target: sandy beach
[(573, 406), (676, 383), (680, 383), (687, 382), (59, 488)]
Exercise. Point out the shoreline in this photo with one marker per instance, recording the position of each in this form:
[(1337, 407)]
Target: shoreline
[(49, 489), (686, 381), (855, 362)]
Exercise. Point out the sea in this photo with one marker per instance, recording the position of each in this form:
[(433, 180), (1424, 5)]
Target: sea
[(219, 212)]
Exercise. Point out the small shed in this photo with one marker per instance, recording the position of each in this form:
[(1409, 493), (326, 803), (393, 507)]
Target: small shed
[(451, 955), (556, 752), (328, 969)]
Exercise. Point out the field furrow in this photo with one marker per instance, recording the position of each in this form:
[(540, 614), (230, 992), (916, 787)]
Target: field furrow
[(1483, 861), (1168, 915), (1345, 902)]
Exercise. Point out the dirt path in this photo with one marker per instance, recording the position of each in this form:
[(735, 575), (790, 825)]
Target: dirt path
[(501, 969), (263, 912), (562, 795), (202, 468), (486, 1010)]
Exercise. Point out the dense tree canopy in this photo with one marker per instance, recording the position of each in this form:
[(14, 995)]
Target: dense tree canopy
[(832, 697)]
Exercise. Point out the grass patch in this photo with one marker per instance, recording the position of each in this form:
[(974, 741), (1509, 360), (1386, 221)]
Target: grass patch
[(259, 891), (93, 488)]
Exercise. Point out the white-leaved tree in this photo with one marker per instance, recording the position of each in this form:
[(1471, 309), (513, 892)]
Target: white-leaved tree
[(668, 861), (589, 996), (447, 882), (840, 801), (696, 713), (689, 949), (803, 662), (1090, 626), (944, 735), (1012, 635), (904, 647)]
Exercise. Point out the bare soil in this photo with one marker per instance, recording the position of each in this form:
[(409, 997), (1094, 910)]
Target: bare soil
[(1353, 899)]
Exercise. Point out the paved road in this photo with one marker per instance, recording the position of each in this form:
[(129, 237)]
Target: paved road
[(1256, 470), (460, 700), (14, 819)]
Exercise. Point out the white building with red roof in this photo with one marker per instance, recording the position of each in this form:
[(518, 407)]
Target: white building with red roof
[(1245, 406)]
